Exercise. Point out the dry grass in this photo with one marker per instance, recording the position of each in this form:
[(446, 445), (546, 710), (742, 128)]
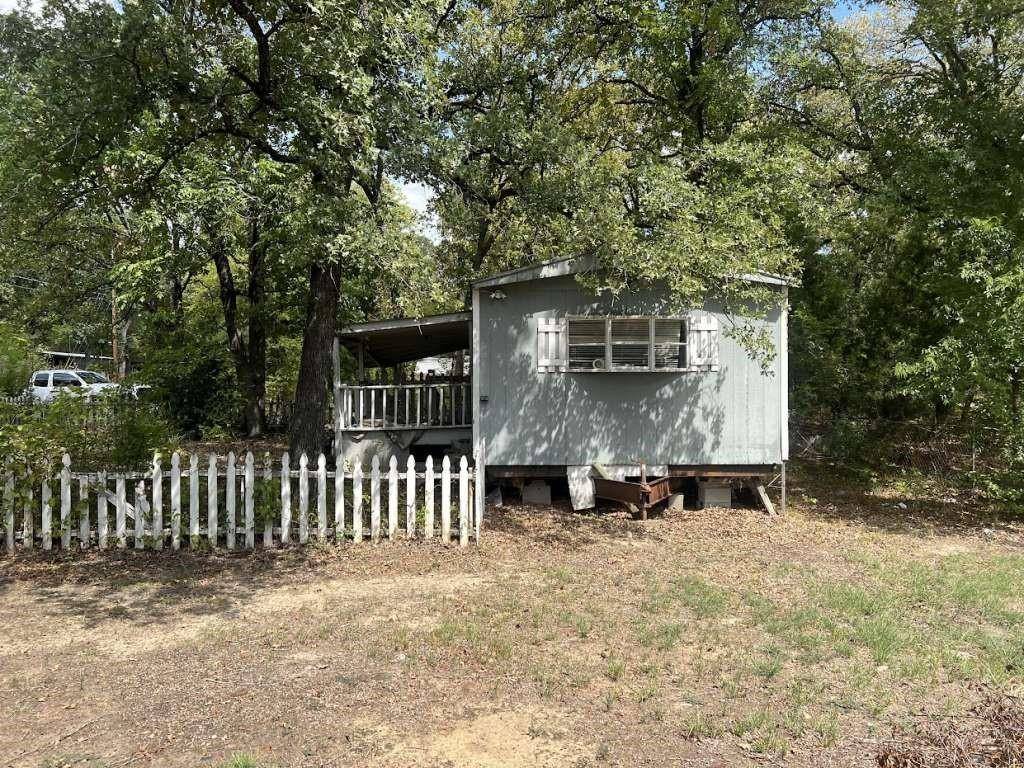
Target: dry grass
[(565, 639)]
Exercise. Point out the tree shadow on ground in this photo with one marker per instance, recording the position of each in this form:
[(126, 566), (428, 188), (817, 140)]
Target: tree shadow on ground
[(828, 491), (154, 587)]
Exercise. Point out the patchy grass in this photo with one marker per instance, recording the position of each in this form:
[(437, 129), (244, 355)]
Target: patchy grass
[(241, 761), (589, 639)]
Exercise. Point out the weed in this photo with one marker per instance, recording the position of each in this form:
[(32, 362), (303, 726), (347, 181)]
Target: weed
[(615, 669), (663, 637), (700, 725), (609, 699), (827, 729), (771, 742), (704, 599), (770, 665), (241, 761), (881, 636), (581, 623), (750, 722), (646, 692)]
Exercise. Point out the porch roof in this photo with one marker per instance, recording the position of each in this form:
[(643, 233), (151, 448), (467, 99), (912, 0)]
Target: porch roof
[(389, 342)]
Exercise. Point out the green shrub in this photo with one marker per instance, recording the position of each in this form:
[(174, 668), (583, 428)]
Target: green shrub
[(17, 361), (191, 372), (107, 432)]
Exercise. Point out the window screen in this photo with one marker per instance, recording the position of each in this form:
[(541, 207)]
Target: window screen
[(669, 344), (587, 344), (631, 343)]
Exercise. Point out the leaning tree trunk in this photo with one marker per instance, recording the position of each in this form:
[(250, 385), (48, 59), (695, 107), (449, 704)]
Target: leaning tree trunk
[(310, 410)]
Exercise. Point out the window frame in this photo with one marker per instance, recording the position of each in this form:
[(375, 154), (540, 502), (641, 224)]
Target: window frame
[(610, 344)]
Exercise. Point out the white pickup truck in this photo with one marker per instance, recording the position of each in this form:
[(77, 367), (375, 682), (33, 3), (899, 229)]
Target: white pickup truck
[(45, 385)]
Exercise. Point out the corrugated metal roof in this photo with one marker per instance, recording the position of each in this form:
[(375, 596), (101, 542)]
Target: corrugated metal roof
[(400, 340)]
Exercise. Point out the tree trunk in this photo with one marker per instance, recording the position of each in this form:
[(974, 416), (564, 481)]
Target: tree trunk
[(1015, 382), (120, 327), (309, 413), (257, 386), (250, 372)]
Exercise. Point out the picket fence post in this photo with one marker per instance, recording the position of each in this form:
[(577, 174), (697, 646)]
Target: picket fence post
[(140, 514), (28, 532), (375, 500), (479, 482), (410, 497), (339, 499), (102, 527), (321, 498), (46, 511), (268, 520), (463, 502), (428, 498), (303, 499), (175, 501), (211, 500), (158, 503), (357, 504), (392, 498), (65, 502), (249, 491), (193, 499), (230, 485), (119, 511), (9, 506), (446, 501), (286, 500)]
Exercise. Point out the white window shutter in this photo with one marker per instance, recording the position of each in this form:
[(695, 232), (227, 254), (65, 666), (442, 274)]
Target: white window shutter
[(552, 344), (702, 341)]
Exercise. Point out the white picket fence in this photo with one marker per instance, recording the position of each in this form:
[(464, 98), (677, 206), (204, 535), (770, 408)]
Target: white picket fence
[(226, 502)]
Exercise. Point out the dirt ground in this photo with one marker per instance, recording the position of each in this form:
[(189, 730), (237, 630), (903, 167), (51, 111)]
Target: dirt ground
[(697, 638)]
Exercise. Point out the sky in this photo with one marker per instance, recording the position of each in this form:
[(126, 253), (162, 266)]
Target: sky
[(10, 5), (418, 197)]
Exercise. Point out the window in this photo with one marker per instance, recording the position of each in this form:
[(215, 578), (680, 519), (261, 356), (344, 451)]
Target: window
[(41, 380), (66, 380), (587, 344), (630, 342), (626, 344), (92, 378), (669, 344)]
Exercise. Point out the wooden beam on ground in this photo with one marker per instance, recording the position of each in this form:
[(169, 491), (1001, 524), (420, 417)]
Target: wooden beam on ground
[(762, 494)]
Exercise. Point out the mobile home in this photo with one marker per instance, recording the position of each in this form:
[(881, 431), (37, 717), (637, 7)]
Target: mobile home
[(557, 380)]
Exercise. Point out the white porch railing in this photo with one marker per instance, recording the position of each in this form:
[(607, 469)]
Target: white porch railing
[(406, 406)]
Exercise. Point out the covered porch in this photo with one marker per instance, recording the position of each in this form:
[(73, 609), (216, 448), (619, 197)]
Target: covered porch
[(409, 391)]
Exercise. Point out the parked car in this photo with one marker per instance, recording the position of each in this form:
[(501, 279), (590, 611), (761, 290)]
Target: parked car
[(45, 385)]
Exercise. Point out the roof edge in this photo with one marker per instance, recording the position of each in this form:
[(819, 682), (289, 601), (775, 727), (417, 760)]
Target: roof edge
[(409, 322), (576, 264)]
